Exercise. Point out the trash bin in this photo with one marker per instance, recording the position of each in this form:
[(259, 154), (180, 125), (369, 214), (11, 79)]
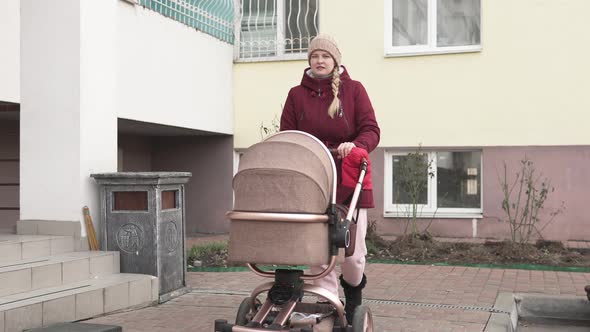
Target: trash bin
[(142, 217)]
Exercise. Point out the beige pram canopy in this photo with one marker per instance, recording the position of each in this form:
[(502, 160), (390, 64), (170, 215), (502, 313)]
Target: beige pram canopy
[(282, 190)]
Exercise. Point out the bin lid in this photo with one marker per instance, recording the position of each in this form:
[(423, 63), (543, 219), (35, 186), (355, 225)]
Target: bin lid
[(142, 177)]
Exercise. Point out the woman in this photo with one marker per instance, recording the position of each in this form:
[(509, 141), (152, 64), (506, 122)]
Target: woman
[(335, 109)]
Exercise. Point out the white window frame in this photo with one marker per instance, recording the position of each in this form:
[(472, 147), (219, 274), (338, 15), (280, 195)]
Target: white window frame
[(238, 153), (431, 48), (237, 157), (428, 210), (280, 36)]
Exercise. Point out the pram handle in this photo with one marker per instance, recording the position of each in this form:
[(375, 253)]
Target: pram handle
[(364, 165), (334, 152), (357, 189)]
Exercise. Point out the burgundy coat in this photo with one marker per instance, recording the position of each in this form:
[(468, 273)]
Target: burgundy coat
[(306, 109)]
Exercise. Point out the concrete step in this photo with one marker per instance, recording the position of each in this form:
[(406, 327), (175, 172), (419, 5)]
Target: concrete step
[(16, 247), (76, 301), (36, 273)]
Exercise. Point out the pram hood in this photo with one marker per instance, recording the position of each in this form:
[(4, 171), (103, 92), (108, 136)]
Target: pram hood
[(291, 172)]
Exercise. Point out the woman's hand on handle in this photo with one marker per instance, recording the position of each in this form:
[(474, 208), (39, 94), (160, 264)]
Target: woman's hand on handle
[(345, 148)]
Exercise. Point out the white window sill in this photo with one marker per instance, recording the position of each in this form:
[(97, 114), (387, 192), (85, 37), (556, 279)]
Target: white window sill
[(393, 53), (284, 57), (434, 215)]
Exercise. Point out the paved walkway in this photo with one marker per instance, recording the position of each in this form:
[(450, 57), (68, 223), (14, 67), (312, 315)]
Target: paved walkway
[(401, 297)]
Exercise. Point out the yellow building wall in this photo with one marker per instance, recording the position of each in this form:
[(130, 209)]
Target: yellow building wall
[(530, 85)]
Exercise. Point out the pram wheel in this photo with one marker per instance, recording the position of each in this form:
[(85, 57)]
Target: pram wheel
[(362, 319), (245, 308)]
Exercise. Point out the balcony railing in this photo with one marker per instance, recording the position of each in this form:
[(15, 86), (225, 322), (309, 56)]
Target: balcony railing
[(214, 17)]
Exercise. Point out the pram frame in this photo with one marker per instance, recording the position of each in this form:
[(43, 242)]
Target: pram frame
[(283, 316)]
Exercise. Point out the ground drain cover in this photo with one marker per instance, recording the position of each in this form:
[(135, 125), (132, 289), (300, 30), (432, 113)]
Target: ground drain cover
[(375, 301)]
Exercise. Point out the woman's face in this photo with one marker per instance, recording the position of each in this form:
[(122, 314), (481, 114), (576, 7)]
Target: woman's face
[(321, 63)]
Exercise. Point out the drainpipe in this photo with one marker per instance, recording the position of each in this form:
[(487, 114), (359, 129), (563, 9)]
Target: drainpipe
[(474, 227)]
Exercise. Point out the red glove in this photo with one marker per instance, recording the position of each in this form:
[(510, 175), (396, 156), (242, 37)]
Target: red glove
[(351, 169)]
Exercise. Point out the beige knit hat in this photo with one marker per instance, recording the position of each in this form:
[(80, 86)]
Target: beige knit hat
[(325, 43)]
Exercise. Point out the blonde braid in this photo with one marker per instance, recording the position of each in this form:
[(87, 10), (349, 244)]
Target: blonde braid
[(335, 105)]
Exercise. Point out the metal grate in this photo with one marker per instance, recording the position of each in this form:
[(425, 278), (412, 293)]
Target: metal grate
[(375, 301), (213, 17), (276, 28), (437, 305)]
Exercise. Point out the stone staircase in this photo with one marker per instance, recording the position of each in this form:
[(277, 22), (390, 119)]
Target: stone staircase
[(43, 281)]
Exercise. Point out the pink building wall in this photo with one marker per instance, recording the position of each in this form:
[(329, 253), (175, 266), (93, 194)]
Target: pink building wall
[(567, 167)]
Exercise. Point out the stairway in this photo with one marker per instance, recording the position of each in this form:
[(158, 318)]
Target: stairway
[(44, 281)]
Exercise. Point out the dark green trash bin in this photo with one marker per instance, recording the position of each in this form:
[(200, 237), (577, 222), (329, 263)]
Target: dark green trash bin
[(142, 217)]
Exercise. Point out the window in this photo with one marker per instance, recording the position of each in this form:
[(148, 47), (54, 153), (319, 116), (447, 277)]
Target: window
[(441, 183), (432, 26), (276, 29)]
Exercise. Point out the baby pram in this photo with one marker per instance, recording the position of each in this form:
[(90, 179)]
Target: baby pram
[(285, 214)]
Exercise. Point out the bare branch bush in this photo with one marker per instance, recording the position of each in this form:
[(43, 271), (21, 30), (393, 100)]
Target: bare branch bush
[(273, 128), (413, 174), (524, 200)]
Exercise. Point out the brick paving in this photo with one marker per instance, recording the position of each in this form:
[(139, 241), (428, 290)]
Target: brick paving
[(217, 295)]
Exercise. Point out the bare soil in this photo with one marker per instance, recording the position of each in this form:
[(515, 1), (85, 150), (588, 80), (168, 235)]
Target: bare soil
[(216, 258), (425, 249)]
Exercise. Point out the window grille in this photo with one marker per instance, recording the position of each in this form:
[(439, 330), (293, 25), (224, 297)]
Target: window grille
[(213, 17), (275, 28)]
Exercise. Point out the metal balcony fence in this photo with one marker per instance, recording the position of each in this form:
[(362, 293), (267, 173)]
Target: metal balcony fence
[(214, 17)]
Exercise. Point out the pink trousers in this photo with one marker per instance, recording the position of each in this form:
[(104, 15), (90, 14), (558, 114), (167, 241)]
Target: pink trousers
[(353, 267)]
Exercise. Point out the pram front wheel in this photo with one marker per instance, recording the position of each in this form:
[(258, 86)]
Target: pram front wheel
[(362, 319), (242, 317)]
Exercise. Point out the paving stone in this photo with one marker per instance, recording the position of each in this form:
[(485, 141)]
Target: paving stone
[(445, 286)]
